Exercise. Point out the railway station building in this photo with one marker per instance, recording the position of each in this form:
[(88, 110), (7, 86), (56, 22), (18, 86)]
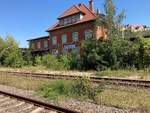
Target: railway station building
[(75, 25)]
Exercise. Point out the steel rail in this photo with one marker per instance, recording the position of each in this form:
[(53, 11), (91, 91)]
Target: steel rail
[(99, 80), (39, 103)]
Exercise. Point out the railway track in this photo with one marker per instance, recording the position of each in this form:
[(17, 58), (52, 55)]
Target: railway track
[(12, 103), (98, 80)]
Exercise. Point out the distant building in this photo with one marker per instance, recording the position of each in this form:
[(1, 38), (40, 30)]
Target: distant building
[(136, 28), (75, 25)]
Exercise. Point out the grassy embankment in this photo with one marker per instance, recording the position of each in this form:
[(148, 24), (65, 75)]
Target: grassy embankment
[(125, 98), (134, 74)]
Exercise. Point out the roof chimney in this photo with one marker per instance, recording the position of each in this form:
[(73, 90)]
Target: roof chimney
[(91, 5)]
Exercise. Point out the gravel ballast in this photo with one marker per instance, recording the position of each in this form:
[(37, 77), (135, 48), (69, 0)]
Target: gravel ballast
[(85, 107)]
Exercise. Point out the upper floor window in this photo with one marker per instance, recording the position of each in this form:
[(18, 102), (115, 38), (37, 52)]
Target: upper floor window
[(39, 45), (75, 36), (65, 21), (88, 34), (64, 38), (45, 44), (71, 19), (54, 40)]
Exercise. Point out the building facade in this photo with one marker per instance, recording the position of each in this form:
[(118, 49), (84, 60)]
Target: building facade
[(74, 25)]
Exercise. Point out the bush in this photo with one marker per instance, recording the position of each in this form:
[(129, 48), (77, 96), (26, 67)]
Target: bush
[(52, 62), (10, 54), (37, 60), (93, 55), (28, 58), (84, 87), (65, 61), (115, 53), (14, 59), (144, 52), (79, 88), (73, 60)]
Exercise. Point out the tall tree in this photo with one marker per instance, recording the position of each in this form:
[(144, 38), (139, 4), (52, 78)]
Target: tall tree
[(111, 21)]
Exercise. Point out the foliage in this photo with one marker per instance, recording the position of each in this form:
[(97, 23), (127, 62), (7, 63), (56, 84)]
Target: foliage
[(115, 53), (10, 54), (73, 58), (52, 62), (111, 21), (93, 55), (54, 89), (144, 52), (78, 88), (37, 60), (65, 60), (84, 87), (28, 58)]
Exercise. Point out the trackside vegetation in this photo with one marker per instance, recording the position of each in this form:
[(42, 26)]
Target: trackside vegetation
[(80, 88), (132, 99)]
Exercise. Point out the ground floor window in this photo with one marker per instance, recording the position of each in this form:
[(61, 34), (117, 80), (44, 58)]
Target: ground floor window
[(88, 33)]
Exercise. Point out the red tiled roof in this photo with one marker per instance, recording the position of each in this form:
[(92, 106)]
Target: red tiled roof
[(88, 16), (72, 10)]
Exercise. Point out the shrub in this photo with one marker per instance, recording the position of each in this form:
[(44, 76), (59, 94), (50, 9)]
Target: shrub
[(93, 55), (37, 60), (144, 52), (65, 61), (52, 62), (84, 87), (79, 88), (14, 60), (28, 58), (73, 60), (11, 55), (54, 89)]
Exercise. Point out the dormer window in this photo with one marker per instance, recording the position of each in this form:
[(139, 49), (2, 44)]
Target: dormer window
[(71, 19)]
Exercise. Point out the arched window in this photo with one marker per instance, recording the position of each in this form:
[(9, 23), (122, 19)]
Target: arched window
[(88, 33)]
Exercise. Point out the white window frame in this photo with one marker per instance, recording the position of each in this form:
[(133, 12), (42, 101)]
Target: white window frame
[(54, 40), (88, 33), (75, 36), (64, 38)]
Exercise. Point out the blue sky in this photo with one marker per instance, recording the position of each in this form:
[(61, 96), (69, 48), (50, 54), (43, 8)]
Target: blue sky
[(26, 19)]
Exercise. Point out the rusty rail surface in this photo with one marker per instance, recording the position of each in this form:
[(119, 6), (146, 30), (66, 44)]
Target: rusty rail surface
[(39, 103), (98, 80)]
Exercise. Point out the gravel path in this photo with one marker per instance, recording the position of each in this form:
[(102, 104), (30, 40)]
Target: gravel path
[(85, 107)]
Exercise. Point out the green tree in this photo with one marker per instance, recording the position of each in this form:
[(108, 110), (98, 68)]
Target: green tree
[(93, 55), (10, 53), (111, 21)]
